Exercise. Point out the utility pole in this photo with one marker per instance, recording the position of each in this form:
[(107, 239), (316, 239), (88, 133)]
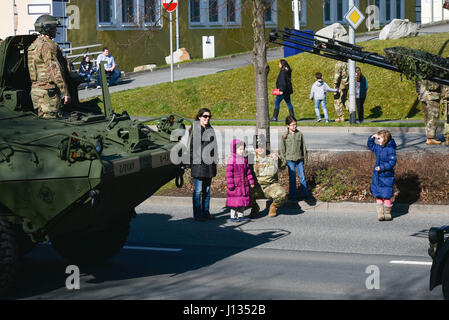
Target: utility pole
[(296, 6), (351, 63), (177, 28)]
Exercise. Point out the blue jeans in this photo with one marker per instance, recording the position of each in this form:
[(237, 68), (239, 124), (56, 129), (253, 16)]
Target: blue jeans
[(285, 97), (323, 106), (112, 80), (88, 75), (292, 167), (201, 197)]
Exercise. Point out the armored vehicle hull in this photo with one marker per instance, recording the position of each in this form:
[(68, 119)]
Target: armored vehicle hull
[(74, 180)]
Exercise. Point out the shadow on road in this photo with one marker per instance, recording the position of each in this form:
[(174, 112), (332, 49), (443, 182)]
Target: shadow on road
[(202, 243)]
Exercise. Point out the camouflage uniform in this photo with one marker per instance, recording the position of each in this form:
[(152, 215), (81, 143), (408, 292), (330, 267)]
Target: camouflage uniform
[(430, 93), (445, 104), (341, 82), (267, 186), (47, 76)]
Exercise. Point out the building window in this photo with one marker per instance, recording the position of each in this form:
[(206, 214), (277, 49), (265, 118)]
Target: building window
[(104, 11), (152, 12), (389, 10), (230, 10), (194, 10), (128, 14), (214, 13), (128, 11), (270, 14), (335, 10)]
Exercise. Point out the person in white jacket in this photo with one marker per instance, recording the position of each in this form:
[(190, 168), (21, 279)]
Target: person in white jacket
[(318, 91)]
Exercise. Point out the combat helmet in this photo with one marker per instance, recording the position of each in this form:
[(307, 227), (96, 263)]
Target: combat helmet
[(45, 24)]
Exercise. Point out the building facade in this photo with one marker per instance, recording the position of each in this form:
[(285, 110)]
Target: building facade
[(137, 31), (19, 16)]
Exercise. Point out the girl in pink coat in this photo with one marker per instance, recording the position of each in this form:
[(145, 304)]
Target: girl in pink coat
[(239, 179)]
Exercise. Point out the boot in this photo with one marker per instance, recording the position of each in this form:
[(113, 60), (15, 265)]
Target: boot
[(380, 212), (387, 213), (432, 141), (273, 211), (275, 115), (446, 143), (254, 211)]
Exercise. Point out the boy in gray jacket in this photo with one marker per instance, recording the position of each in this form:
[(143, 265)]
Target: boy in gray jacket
[(318, 91)]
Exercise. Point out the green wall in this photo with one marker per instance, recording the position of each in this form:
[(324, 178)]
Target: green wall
[(132, 48)]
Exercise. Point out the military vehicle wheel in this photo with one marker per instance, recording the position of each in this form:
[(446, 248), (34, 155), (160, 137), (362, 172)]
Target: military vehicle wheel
[(8, 255), (445, 279), (24, 243), (92, 247)]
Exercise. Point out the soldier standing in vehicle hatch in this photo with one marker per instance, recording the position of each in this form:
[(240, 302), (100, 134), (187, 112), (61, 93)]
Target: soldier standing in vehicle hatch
[(48, 84)]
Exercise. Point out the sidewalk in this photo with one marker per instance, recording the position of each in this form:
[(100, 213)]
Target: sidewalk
[(340, 207)]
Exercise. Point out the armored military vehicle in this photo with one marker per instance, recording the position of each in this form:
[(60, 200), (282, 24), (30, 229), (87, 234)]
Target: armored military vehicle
[(73, 181)]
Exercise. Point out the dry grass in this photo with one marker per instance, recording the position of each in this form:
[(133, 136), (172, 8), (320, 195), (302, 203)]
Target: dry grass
[(419, 178)]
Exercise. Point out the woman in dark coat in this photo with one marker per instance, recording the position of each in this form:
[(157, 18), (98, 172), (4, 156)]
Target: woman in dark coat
[(383, 172), (203, 160), (284, 84)]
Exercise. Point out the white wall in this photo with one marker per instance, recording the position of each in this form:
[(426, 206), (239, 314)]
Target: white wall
[(439, 13), (27, 13)]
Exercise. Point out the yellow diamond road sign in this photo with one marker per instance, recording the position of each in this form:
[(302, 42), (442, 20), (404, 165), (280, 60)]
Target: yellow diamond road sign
[(354, 17)]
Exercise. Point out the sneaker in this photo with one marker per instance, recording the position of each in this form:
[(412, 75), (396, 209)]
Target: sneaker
[(274, 119), (243, 218), (208, 217), (327, 121), (98, 87), (234, 219), (318, 120)]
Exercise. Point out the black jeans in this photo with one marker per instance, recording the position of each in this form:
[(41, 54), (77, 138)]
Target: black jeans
[(359, 103)]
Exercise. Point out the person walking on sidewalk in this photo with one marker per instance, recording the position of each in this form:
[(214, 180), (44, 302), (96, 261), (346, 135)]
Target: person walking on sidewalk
[(318, 91), (267, 183), (361, 88), (384, 147), (239, 180), (293, 153), (284, 84), (203, 163)]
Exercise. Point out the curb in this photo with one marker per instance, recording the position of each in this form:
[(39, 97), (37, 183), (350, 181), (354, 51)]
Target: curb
[(339, 207)]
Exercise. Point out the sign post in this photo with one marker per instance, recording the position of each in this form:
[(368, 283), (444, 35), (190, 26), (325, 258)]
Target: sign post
[(170, 5), (354, 18)]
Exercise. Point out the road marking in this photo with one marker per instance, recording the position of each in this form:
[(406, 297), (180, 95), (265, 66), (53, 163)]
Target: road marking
[(152, 248), (422, 263)]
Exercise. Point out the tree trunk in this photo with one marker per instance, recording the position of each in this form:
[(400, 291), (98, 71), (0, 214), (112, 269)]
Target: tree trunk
[(261, 71)]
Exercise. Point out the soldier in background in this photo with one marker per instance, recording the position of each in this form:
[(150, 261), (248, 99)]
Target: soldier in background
[(267, 183), (48, 83), (445, 104), (341, 82), (429, 95)]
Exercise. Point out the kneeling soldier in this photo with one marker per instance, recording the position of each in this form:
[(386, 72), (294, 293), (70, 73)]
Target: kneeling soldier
[(267, 182)]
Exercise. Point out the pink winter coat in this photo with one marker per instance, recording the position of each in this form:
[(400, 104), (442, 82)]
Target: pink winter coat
[(239, 179)]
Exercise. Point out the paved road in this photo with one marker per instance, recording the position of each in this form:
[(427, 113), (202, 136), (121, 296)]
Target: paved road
[(301, 254)]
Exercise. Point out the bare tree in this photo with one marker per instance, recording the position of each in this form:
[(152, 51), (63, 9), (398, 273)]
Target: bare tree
[(261, 69)]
